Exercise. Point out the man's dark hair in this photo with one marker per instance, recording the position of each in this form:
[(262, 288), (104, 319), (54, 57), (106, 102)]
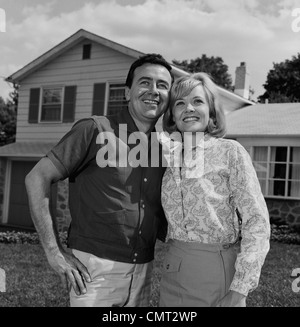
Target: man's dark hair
[(150, 58)]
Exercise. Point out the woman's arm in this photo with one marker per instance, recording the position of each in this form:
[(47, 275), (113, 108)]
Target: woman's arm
[(249, 200)]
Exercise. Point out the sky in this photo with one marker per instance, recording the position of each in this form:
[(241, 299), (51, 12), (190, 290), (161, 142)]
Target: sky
[(258, 32)]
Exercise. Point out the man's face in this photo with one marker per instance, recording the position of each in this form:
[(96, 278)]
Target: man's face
[(149, 93)]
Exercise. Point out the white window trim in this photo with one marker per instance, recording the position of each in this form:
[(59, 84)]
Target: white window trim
[(41, 103), (267, 179), (107, 89)]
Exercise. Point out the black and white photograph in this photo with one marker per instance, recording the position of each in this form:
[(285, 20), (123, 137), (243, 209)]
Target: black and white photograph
[(149, 156)]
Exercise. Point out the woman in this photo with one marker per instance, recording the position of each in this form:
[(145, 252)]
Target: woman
[(214, 259)]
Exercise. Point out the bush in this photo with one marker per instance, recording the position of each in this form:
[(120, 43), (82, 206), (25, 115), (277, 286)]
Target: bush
[(283, 234), (26, 237)]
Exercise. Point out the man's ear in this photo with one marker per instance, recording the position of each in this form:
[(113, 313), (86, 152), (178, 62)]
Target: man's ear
[(127, 93)]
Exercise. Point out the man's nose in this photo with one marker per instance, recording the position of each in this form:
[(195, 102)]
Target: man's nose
[(154, 89)]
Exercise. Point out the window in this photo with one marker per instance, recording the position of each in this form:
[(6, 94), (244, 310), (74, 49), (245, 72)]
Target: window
[(278, 170), (116, 98), (51, 104), (86, 51)]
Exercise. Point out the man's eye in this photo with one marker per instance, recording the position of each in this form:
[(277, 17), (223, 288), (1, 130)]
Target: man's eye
[(163, 86), (144, 83)]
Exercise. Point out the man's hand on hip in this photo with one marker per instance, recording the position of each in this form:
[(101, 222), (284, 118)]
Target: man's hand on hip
[(71, 271)]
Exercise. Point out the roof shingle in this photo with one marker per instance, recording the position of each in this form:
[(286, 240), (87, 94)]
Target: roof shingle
[(278, 119)]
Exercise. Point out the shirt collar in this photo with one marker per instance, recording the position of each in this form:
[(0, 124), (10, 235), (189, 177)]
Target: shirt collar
[(124, 117)]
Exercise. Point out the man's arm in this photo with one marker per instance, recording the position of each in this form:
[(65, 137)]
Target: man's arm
[(38, 185)]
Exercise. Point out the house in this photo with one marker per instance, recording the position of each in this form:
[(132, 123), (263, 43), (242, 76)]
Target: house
[(83, 75), (271, 134)]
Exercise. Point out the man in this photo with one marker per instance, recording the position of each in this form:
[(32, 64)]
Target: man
[(116, 210)]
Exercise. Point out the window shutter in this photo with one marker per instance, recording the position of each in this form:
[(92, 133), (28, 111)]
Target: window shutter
[(34, 104), (69, 104), (99, 99)]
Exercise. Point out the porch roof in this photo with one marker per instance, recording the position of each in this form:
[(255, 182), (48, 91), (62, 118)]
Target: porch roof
[(26, 149)]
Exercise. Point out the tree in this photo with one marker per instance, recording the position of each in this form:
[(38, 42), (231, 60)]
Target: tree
[(283, 82), (14, 97), (8, 117), (214, 66)]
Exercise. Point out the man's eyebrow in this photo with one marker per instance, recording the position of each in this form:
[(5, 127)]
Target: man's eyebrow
[(151, 79)]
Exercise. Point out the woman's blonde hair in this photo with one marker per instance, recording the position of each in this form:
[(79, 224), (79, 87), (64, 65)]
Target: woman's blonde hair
[(182, 87)]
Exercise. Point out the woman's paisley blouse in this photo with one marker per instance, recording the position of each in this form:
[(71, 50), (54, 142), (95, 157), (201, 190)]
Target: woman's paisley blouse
[(201, 207)]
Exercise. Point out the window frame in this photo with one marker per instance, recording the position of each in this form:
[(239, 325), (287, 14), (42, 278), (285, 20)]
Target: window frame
[(86, 51), (109, 86), (269, 162), (62, 87)]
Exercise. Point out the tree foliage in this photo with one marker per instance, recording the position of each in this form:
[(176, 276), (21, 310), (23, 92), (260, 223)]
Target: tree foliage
[(214, 66), (8, 117), (283, 82)]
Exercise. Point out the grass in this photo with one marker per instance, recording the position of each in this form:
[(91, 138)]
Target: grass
[(30, 282)]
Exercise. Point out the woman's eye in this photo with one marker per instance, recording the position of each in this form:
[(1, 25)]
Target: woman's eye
[(179, 104), (198, 101)]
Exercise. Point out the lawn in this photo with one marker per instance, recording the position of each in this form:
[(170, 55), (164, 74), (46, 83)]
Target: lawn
[(30, 282)]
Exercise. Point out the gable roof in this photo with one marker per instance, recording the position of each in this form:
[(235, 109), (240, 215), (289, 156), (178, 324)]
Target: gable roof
[(66, 45), (231, 101), (275, 119)]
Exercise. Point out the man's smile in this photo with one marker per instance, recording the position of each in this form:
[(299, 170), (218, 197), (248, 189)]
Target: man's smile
[(151, 102)]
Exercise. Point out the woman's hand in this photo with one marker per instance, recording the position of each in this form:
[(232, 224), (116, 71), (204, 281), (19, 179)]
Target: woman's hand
[(233, 299)]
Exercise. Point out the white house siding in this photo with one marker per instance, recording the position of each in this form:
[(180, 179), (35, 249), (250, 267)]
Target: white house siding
[(69, 69)]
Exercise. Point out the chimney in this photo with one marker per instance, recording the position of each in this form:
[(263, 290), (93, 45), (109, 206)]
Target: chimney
[(242, 81)]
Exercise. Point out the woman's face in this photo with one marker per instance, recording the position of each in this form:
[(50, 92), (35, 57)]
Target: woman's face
[(191, 113)]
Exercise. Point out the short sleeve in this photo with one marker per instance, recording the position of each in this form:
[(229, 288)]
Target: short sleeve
[(74, 148)]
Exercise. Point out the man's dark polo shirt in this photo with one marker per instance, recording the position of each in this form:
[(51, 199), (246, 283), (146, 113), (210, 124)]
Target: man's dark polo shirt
[(116, 211)]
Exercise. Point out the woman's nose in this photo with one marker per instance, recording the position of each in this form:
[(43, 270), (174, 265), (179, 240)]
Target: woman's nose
[(190, 108)]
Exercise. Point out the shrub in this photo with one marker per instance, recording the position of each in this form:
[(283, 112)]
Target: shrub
[(283, 234), (26, 237)]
